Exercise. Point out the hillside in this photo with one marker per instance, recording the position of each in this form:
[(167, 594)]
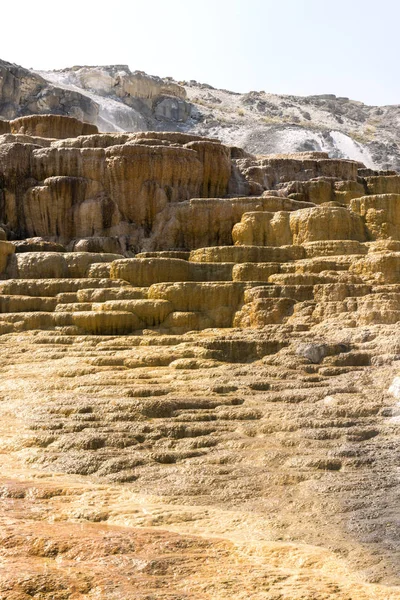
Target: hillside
[(116, 99)]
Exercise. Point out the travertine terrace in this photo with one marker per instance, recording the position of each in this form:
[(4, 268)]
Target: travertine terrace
[(199, 384)]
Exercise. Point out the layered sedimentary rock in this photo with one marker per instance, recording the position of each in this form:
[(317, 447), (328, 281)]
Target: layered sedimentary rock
[(381, 214), (116, 99), (199, 371), (126, 84)]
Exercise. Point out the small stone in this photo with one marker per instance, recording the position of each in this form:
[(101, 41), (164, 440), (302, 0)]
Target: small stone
[(315, 353), (395, 387)]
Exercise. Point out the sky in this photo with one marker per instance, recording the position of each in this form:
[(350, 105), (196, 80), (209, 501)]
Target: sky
[(301, 47)]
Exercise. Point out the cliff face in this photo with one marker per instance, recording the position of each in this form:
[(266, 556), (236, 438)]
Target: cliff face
[(194, 211), (101, 185)]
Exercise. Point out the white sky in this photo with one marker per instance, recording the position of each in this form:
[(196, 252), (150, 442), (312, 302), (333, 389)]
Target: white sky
[(344, 47)]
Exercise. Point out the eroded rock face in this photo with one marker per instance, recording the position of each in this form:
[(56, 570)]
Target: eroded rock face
[(115, 188), (381, 214), (306, 225), (23, 92), (124, 84), (159, 191), (113, 98), (216, 411), (51, 126), (116, 99)]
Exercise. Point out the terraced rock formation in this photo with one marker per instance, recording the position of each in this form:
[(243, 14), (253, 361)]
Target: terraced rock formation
[(199, 383)]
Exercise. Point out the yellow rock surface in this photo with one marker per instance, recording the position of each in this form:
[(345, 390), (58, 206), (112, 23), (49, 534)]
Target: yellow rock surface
[(195, 296), (52, 126), (379, 267), (263, 229), (6, 250), (381, 214), (142, 272), (42, 265), (326, 223), (255, 271), (334, 248), (383, 184), (302, 226), (106, 323), (241, 254), (207, 222), (150, 312)]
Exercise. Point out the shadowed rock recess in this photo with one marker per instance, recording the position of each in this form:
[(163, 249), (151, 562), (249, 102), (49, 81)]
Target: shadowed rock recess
[(199, 383)]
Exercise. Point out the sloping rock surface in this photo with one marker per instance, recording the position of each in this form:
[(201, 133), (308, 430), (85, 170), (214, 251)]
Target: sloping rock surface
[(199, 380)]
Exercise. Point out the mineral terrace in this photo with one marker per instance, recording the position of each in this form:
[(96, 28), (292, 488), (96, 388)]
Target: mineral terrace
[(199, 390)]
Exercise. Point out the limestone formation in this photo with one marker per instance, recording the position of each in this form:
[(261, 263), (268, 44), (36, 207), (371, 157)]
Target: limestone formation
[(307, 225), (199, 375), (6, 250), (381, 214), (51, 126), (116, 99)]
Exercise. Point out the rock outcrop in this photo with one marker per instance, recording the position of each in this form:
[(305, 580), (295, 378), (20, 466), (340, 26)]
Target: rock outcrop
[(112, 98), (161, 191), (51, 126), (23, 92), (172, 198)]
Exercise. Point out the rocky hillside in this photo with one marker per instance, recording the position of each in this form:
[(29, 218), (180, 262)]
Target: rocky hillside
[(116, 99)]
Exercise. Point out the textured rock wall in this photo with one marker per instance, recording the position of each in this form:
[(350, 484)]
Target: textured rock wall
[(67, 191), (124, 84), (381, 214), (146, 189), (51, 126), (112, 97)]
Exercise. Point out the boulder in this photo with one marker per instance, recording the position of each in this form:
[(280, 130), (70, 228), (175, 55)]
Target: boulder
[(315, 353)]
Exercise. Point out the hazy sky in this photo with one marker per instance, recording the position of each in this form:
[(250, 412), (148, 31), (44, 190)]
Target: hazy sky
[(344, 47)]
